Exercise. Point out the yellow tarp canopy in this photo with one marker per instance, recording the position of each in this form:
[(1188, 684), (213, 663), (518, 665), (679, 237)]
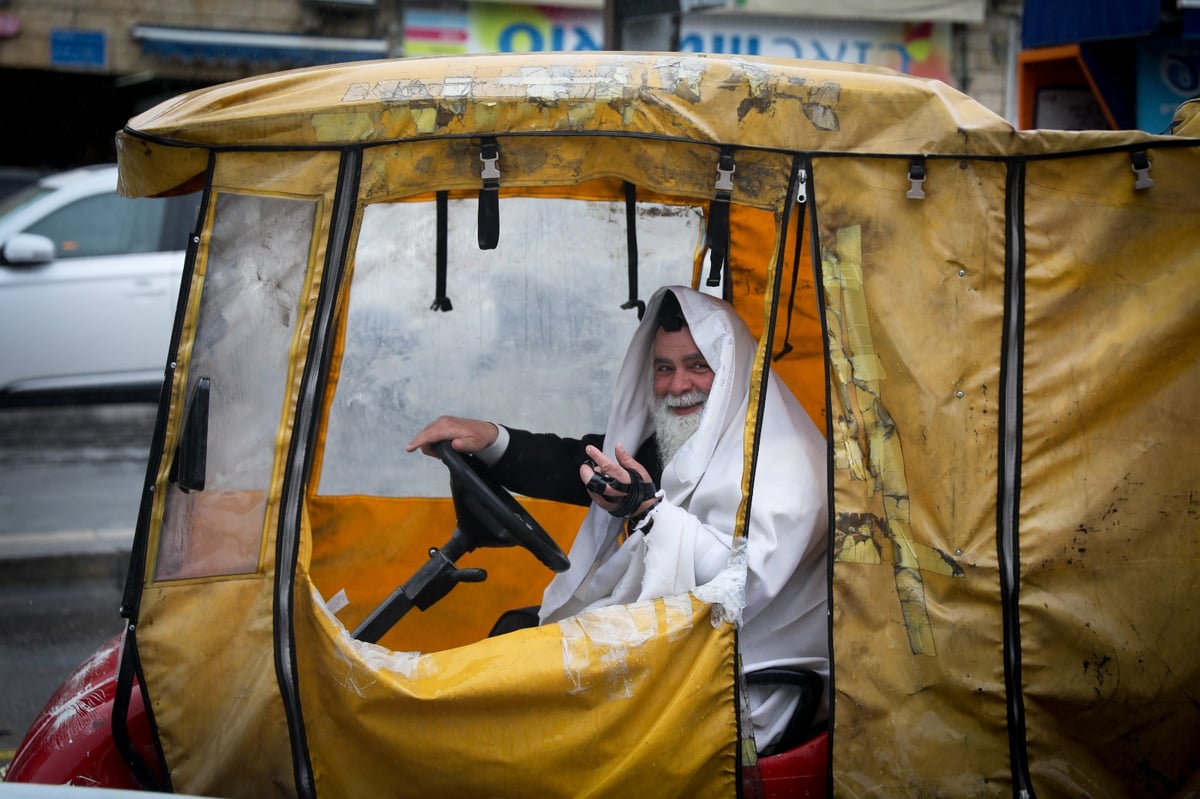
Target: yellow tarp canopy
[(1011, 365)]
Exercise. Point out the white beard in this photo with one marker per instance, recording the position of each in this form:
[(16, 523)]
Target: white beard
[(671, 430)]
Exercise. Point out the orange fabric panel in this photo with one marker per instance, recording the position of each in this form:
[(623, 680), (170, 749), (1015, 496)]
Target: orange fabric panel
[(369, 546)]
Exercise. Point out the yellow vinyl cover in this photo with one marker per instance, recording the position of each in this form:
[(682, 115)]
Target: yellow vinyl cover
[(1011, 357), (1092, 372), (571, 709)]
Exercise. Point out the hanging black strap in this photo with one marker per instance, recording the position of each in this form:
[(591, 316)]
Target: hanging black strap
[(441, 302), (800, 192), (717, 235), (787, 329), (489, 196), (130, 677), (631, 247)]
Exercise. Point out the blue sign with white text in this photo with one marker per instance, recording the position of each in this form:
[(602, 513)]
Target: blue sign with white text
[(77, 48)]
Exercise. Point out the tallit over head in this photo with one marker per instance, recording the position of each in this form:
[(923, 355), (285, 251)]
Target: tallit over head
[(783, 620)]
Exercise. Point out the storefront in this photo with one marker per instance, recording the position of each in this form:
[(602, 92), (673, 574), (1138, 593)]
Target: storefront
[(119, 62), (1107, 63), (906, 35)]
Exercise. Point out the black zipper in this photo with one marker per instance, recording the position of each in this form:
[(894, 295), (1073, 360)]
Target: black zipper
[(299, 467), (1009, 487)]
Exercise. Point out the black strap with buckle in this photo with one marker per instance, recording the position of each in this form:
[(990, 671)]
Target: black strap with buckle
[(631, 247), (489, 195), (717, 235), (441, 302)]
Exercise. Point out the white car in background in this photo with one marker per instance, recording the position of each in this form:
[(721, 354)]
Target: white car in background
[(88, 286)]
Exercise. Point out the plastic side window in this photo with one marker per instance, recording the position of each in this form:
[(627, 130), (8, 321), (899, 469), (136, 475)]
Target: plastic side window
[(258, 256)]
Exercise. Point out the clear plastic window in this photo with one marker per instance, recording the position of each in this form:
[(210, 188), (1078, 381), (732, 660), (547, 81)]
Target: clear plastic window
[(248, 313), (533, 341)]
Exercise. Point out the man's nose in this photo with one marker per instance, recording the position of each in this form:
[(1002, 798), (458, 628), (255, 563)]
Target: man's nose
[(681, 383)]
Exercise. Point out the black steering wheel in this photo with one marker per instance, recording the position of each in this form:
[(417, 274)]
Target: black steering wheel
[(489, 515)]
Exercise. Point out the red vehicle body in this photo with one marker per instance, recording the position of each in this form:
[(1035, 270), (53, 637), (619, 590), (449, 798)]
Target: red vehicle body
[(72, 740)]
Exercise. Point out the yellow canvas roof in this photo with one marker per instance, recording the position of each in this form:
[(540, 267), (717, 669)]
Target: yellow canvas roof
[(1011, 364), (791, 105)]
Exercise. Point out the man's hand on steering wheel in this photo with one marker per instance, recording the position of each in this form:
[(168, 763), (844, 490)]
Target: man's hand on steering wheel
[(465, 435), (622, 487)]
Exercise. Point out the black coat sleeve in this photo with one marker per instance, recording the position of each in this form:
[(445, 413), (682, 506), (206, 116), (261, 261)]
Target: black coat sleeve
[(545, 466)]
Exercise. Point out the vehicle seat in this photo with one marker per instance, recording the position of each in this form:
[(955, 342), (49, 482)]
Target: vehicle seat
[(811, 687), (516, 619)]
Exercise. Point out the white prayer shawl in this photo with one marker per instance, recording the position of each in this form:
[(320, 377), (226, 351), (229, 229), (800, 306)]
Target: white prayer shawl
[(784, 620)]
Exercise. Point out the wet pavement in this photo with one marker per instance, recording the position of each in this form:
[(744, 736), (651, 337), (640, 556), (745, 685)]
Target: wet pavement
[(70, 483), (67, 469)]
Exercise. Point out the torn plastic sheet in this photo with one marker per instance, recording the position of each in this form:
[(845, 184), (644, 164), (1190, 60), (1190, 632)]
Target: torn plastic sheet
[(373, 656), (338, 601), (612, 636)]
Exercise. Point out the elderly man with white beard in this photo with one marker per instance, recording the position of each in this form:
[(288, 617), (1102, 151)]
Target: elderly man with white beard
[(661, 520)]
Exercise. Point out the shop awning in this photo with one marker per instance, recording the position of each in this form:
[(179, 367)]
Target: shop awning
[(210, 44), (1051, 22), (895, 10)]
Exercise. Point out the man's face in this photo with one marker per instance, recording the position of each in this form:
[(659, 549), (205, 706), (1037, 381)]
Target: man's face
[(682, 380), (680, 370)]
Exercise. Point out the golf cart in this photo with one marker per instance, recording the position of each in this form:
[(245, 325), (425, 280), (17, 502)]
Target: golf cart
[(997, 331)]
